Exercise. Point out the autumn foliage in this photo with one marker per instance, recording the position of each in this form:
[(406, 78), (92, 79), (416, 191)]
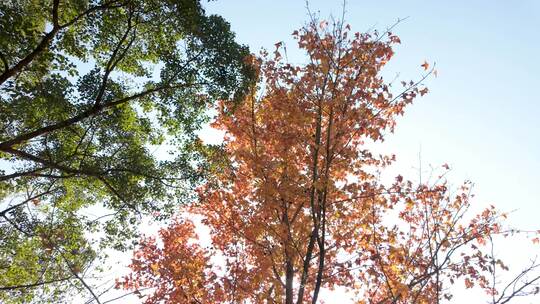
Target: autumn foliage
[(300, 206)]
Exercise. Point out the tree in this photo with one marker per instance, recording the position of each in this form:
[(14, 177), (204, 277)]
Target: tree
[(299, 206), (88, 88)]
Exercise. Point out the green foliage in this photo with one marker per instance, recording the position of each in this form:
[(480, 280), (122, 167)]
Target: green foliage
[(88, 89)]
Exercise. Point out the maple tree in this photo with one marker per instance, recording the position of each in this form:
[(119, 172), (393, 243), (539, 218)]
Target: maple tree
[(298, 205)]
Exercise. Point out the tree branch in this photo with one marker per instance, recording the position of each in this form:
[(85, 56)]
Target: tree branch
[(48, 38), (94, 111), (37, 284)]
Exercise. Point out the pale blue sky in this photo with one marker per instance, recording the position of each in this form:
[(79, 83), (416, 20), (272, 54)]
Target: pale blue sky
[(481, 115)]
